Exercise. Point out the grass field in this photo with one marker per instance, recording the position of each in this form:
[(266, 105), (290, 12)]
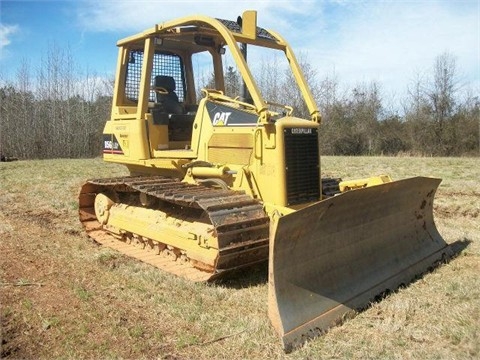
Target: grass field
[(63, 296)]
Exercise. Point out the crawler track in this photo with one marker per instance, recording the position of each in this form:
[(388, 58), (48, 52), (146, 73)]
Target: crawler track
[(237, 223)]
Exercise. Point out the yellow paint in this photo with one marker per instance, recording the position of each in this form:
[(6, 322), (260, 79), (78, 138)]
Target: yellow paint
[(362, 183)]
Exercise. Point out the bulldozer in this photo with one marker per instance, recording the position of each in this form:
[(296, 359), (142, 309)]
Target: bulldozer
[(219, 182)]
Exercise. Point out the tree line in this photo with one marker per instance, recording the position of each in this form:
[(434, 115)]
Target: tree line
[(59, 111), (439, 117)]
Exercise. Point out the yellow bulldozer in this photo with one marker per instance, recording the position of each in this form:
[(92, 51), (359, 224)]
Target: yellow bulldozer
[(226, 181)]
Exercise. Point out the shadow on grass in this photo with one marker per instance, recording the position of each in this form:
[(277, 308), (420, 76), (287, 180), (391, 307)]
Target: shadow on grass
[(456, 248), (459, 245), (246, 277)]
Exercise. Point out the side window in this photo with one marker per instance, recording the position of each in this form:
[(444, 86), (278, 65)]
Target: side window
[(166, 64), (203, 70), (134, 72)]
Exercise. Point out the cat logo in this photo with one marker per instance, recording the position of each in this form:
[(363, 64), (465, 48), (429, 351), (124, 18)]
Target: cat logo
[(221, 118)]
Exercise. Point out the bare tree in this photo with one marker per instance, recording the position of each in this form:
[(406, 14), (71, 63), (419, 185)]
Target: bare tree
[(431, 113), (58, 113), (232, 82), (270, 79)]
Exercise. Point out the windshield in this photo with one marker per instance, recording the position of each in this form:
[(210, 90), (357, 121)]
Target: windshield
[(271, 73)]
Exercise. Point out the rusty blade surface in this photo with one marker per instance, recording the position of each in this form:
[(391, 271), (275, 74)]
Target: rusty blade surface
[(335, 256)]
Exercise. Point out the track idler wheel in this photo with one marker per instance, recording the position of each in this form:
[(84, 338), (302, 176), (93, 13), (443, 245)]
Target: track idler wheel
[(103, 203)]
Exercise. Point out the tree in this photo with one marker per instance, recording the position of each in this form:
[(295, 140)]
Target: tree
[(391, 137), (350, 123), (58, 113), (232, 82), (366, 111), (432, 113)]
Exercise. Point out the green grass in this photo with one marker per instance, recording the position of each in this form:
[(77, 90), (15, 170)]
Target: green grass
[(95, 303)]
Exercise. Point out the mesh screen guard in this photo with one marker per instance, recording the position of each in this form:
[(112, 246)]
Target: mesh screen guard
[(166, 64)]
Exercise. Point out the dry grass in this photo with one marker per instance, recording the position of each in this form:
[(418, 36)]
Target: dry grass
[(64, 297)]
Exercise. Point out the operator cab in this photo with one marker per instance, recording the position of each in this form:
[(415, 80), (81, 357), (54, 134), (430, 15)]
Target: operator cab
[(172, 92), (161, 71)]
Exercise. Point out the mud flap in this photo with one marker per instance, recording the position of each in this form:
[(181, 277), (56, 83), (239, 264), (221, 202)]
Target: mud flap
[(335, 256)]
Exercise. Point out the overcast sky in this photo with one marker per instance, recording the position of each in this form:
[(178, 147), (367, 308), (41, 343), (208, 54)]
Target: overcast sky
[(358, 41)]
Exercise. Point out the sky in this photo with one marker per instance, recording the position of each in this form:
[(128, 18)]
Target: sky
[(390, 42)]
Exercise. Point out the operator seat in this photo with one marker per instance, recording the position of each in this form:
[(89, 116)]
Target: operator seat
[(169, 111), (167, 99)]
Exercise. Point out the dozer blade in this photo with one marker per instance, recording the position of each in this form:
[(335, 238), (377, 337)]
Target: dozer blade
[(335, 256)]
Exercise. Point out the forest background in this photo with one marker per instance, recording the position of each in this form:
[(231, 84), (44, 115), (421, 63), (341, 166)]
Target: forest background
[(58, 110)]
